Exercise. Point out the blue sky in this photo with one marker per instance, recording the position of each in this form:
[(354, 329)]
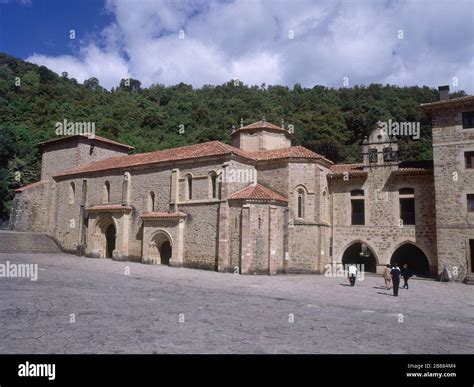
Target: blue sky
[(43, 26), (326, 42)]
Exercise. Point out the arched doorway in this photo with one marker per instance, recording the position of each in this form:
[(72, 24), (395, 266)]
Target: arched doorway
[(110, 241), (103, 239), (360, 254), (162, 248), (414, 257), (165, 252)]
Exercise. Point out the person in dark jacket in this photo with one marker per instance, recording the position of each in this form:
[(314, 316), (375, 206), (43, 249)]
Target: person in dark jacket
[(395, 272), (406, 273)]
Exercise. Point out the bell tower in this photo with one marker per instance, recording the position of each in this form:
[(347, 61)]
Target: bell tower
[(379, 150)]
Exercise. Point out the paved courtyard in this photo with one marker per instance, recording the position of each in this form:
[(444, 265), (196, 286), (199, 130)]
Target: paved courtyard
[(84, 305)]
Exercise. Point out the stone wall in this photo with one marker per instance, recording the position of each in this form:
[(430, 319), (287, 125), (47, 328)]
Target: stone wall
[(274, 175), (260, 140), (262, 239), (455, 226), (67, 224), (303, 252), (59, 156), (30, 209), (382, 231)]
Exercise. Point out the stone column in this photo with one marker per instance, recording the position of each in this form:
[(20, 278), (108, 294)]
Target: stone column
[(174, 189), (272, 239), (286, 238), (223, 259), (178, 258), (245, 240)]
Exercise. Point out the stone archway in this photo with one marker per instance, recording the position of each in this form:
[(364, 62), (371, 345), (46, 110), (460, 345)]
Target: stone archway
[(104, 237), (162, 248), (360, 253), (410, 254)]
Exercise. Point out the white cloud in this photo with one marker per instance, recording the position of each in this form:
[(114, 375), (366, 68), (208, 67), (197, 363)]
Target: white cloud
[(108, 67), (249, 39)]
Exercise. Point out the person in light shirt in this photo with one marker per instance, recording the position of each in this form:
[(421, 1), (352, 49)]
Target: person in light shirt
[(387, 276), (352, 274)]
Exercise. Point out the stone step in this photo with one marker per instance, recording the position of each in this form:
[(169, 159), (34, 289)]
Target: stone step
[(26, 242)]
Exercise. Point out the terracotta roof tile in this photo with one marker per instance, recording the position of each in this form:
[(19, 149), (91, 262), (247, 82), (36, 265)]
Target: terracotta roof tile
[(207, 149), (293, 152), (258, 193), (350, 170), (261, 125), (442, 104), (412, 171), (97, 138), (340, 168), (27, 187), (163, 215)]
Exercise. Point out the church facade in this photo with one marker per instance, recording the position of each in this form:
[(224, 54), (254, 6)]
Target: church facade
[(261, 205)]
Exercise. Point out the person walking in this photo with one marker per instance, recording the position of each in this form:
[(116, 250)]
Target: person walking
[(352, 274), (387, 276), (395, 272), (406, 274)]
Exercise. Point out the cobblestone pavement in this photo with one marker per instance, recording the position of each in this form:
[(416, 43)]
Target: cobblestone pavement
[(158, 309)]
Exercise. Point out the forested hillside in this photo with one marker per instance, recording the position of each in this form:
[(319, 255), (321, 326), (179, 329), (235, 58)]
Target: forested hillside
[(329, 121)]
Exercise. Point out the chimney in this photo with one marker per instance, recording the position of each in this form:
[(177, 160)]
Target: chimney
[(443, 93)]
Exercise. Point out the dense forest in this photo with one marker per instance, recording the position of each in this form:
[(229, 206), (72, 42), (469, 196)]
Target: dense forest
[(329, 121)]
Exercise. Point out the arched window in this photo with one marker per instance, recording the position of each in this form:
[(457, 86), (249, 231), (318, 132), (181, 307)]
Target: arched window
[(300, 203), (72, 193), (189, 187), (106, 192), (213, 185), (151, 202)]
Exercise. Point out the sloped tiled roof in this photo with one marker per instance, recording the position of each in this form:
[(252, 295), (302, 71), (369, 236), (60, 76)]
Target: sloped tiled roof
[(412, 171), (422, 167), (163, 215), (207, 149), (442, 104), (32, 185), (340, 168), (294, 152), (261, 125), (95, 137), (258, 193), (352, 170), (404, 168)]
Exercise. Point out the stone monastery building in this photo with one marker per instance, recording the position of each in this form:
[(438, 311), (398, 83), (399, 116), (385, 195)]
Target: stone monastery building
[(262, 206)]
